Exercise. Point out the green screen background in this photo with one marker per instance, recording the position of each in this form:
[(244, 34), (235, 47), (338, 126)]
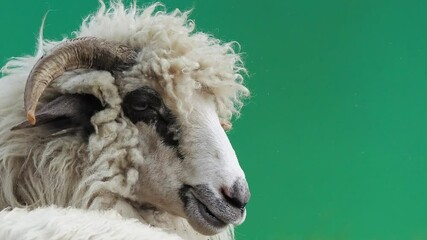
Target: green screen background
[(334, 137)]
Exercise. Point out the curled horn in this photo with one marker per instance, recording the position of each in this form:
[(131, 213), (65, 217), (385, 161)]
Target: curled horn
[(84, 53)]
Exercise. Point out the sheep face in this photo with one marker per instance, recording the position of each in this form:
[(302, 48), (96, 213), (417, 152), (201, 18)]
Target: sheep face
[(187, 167), (190, 168)]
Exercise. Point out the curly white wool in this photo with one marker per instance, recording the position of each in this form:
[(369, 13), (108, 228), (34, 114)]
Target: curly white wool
[(179, 59)]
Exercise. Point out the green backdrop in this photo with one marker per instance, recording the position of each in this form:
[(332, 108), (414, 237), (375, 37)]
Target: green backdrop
[(334, 137)]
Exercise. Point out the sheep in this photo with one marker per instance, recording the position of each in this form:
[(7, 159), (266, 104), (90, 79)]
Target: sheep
[(130, 116)]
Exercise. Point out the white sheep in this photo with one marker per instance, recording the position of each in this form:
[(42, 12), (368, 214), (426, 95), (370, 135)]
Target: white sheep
[(127, 116)]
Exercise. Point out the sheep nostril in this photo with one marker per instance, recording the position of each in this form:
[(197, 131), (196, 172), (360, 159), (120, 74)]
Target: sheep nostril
[(232, 201), (238, 195)]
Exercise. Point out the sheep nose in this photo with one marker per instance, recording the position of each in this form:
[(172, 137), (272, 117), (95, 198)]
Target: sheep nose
[(238, 194)]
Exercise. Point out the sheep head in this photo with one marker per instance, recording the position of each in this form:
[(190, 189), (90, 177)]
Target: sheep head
[(189, 169)]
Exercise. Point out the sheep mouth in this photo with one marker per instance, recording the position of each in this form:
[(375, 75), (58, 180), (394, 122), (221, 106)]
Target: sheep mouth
[(207, 213), (201, 218)]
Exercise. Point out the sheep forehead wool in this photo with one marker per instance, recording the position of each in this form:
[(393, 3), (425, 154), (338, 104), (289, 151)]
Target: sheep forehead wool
[(173, 59)]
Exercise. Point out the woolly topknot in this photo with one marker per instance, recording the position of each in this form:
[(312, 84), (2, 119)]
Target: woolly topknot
[(173, 58)]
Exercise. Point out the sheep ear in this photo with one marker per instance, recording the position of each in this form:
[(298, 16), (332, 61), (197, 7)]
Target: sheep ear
[(70, 111)]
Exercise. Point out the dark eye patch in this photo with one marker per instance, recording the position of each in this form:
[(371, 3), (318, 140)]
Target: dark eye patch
[(144, 104)]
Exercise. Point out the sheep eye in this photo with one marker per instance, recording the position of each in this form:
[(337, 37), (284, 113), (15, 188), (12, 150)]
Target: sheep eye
[(140, 107), (146, 105)]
